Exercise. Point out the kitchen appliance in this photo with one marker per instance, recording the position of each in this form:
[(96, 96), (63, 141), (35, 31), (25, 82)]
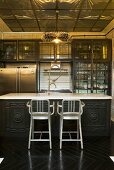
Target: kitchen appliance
[(17, 79)]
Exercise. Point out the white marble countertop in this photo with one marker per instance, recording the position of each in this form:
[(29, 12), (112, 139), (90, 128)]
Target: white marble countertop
[(53, 95)]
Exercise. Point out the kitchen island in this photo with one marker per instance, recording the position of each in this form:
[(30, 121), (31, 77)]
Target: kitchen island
[(14, 116)]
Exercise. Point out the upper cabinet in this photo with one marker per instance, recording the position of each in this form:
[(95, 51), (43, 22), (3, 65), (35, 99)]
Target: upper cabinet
[(52, 51), (28, 50), (34, 50), (19, 50), (96, 49)]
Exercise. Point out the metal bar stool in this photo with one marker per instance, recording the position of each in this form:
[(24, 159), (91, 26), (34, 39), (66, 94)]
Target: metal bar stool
[(39, 110), (71, 110)]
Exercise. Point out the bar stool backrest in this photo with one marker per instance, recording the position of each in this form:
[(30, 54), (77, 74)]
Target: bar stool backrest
[(40, 106), (71, 106)]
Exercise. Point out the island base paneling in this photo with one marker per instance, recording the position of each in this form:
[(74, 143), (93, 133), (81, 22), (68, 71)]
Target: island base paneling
[(96, 119), (14, 118)]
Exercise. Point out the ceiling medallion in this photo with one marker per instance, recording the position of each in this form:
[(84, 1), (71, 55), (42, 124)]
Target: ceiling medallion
[(56, 37)]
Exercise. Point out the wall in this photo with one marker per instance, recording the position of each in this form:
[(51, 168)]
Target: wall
[(111, 36)]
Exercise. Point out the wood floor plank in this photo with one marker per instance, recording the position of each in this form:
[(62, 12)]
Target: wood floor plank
[(94, 156)]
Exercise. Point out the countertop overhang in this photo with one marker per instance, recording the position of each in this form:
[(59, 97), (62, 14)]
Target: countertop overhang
[(53, 95)]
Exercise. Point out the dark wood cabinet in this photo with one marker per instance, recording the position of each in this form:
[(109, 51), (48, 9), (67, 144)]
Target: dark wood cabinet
[(14, 118), (96, 118), (92, 66)]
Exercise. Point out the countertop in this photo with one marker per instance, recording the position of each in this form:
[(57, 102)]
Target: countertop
[(54, 95)]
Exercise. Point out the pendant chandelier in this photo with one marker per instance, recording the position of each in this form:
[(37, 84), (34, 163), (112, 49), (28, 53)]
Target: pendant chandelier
[(56, 37)]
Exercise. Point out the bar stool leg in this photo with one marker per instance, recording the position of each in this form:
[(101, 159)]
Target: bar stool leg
[(32, 129), (61, 131), (77, 121), (80, 133), (30, 134), (49, 125)]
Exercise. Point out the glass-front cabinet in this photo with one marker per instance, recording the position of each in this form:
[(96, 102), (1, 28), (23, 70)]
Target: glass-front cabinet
[(91, 78), (52, 51), (92, 66)]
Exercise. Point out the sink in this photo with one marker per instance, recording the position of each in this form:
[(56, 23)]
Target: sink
[(59, 91)]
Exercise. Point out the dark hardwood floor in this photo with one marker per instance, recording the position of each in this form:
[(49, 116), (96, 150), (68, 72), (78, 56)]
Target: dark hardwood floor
[(95, 155)]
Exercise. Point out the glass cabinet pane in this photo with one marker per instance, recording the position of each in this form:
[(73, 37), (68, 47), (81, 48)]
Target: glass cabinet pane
[(63, 51), (99, 50), (82, 77), (28, 50), (82, 50), (47, 51), (10, 50), (100, 78)]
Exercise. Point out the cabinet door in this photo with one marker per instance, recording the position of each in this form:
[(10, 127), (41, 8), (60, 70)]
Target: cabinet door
[(100, 78), (10, 50), (63, 51), (96, 117), (28, 50), (47, 51), (82, 77), (81, 50), (17, 118), (51, 51), (92, 66), (101, 50)]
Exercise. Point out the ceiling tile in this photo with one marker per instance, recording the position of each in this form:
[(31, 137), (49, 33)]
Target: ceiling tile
[(108, 14), (18, 4), (66, 23), (31, 29), (17, 29), (90, 14), (98, 29), (85, 23), (44, 4), (94, 4), (47, 23), (78, 29), (48, 29), (68, 14), (45, 14), (69, 4), (111, 5), (28, 23), (102, 23), (6, 14), (23, 14), (12, 23)]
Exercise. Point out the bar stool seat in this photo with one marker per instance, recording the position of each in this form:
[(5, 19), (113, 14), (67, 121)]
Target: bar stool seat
[(71, 110), (39, 110)]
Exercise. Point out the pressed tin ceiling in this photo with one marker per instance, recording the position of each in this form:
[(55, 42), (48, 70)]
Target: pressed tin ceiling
[(57, 15)]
